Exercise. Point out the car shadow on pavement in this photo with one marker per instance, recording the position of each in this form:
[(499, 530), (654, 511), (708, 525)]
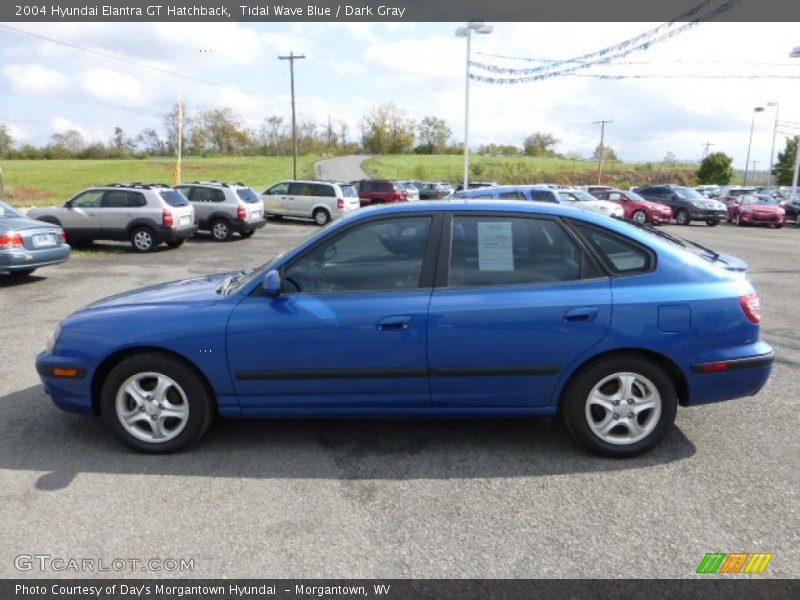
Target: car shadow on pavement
[(36, 436), (14, 280)]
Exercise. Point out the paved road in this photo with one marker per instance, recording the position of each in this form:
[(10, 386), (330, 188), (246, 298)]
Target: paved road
[(343, 168), (488, 498)]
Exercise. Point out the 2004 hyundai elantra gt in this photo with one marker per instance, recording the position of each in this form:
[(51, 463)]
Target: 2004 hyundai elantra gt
[(431, 309)]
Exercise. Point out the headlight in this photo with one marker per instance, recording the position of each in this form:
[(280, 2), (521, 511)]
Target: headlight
[(51, 341)]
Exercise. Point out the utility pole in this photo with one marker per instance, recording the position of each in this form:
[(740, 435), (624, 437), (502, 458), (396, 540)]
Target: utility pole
[(707, 146), (602, 148), (291, 58), (754, 163)]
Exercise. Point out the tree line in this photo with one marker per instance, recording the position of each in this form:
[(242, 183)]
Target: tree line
[(383, 129)]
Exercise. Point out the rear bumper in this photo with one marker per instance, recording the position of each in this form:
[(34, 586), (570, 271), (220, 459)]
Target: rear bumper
[(23, 259), (240, 226), (729, 378), (168, 234)]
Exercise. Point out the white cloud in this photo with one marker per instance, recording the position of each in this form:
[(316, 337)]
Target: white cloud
[(61, 124), (33, 80), (112, 87)]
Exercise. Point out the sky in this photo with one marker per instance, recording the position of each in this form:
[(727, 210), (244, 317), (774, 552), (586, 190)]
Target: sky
[(349, 67)]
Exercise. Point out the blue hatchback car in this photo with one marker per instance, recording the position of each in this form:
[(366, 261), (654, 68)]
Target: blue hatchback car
[(455, 309)]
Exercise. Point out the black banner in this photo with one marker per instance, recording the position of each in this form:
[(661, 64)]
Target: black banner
[(711, 588), (391, 10)]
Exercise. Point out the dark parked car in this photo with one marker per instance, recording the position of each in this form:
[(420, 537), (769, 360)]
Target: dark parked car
[(380, 191), (433, 190), (427, 309), (791, 207), (27, 244), (686, 203)]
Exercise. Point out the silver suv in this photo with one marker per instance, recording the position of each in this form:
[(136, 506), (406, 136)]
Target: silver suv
[(146, 214), (318, 200), (224, 208)]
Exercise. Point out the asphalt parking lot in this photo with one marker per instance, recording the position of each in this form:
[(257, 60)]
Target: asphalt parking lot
[(428, 499)]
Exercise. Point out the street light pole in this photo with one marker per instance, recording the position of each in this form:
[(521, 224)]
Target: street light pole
[(795, 53), (291, 58), (772, 151), (466, 31), (602, 148), (757, 109)]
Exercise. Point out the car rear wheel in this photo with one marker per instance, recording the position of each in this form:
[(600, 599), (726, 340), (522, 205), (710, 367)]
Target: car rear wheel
[(620, 406), (221, 230), (143, 239), (155, 403), (321, 217), (682, 217), (640, 217)]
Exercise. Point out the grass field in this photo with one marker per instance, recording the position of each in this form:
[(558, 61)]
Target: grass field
[(508, 169), (48, 182)]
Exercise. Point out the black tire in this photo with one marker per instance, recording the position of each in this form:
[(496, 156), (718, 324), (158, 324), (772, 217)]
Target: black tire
[(221, 230), (712, 222), (143, 239), (639, 216), (21, 272), (577, 414), (201, 405), (321, 217), (247, 233), (275, 217), (682, 217), (175, 243)]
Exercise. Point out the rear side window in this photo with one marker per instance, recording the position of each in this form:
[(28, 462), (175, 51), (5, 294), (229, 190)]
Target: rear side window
[(204, 194), (248, 195), (512, 196), (174, 198), (542, 196), (320, 189), (349, 191), (620, 255), (498, 251), (123, 199)]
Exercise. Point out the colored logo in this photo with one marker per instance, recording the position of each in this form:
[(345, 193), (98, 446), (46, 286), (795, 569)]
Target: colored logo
[(735, 562)]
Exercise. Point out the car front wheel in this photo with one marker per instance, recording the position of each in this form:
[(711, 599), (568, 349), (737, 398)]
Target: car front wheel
[(640, 217), (155, 403), (620, 406)]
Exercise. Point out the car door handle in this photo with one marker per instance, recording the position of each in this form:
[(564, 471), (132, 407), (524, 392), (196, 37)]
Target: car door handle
[(582, 314), (394, 324)]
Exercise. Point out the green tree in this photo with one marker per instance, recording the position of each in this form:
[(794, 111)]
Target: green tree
[(715, 169), (784, 167), (6, 141), (387, 130), (540, 144), (609, 155), (121, 144), (433, 134)]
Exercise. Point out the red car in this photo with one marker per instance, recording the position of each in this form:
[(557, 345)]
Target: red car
[(756, 209), (636, 207), (380, 191)]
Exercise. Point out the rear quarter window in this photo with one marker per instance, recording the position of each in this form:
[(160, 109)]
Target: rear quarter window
[(620, 255), (174, 198)]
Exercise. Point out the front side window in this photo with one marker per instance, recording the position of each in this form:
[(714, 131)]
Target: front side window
[(489, 251), (385, 255), (88, 199), (279, 189)]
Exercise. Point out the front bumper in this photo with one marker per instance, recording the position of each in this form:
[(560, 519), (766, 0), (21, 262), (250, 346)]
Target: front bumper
[(67, 381), (22, 259), (708, 214)]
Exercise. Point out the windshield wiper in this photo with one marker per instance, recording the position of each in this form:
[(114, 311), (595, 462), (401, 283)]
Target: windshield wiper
[(231, 280)]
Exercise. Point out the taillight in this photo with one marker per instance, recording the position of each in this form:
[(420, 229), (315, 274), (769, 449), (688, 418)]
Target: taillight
[(241, 213), (11, 240), (340, 203), (166, 218), (63, 236), (751, 306)]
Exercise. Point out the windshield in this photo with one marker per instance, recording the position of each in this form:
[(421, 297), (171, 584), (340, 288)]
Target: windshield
[(9, 212), (248, 195), (635, 197), (763, 200), (174, 198), (688, 194)]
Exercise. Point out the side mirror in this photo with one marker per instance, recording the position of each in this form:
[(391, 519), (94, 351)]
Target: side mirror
[(68, 204), (271, 283)]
